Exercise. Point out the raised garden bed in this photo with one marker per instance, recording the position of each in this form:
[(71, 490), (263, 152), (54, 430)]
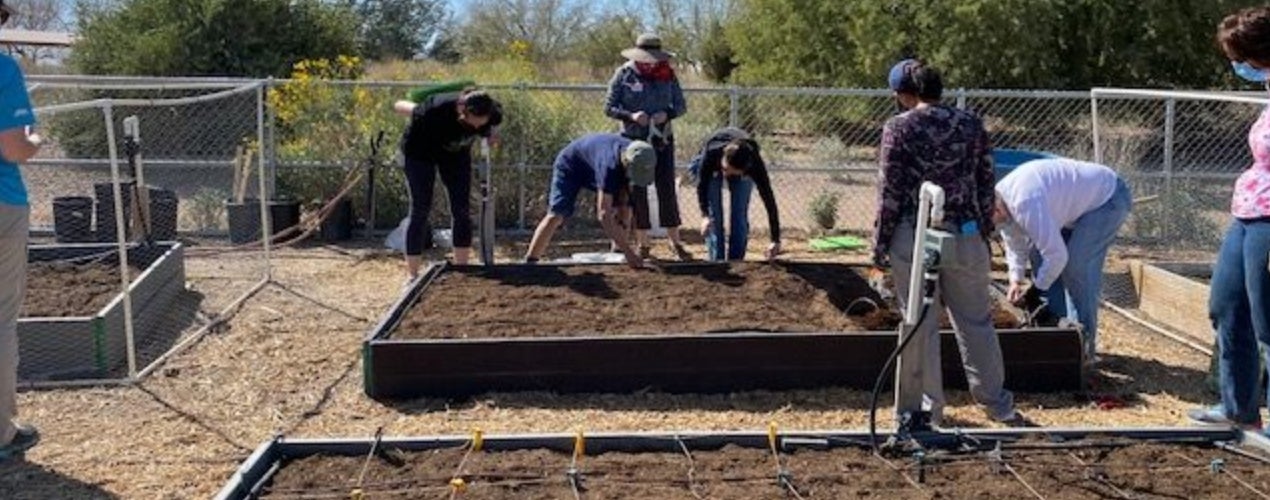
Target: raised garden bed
[(1176, 294), (1013, 463), (72, 320), (687, 328)]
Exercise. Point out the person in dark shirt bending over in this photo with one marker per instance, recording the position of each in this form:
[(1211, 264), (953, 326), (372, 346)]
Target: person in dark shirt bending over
[(730, 156)]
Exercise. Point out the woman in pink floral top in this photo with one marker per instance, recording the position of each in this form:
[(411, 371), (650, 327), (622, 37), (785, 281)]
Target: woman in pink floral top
[(1239, 304)]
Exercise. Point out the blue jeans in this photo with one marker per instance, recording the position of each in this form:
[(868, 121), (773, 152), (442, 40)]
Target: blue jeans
[(1077, 292), (1237, 304), (738, 217)]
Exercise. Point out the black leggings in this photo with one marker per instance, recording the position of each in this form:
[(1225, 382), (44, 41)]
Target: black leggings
[(421, 177), (667, 197)]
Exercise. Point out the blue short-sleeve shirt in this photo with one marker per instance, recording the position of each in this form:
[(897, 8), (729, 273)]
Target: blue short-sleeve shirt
[(15, 112)]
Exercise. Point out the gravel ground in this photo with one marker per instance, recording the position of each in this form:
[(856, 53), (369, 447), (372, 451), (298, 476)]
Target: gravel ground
[(290, 363)]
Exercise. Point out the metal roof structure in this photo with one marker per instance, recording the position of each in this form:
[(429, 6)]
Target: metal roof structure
[(36, 38)]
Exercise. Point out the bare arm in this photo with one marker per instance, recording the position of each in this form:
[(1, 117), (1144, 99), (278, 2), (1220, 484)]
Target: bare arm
[(17, 147), (404, 108)]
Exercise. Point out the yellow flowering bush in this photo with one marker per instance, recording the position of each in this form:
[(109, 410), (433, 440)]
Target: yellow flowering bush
[(322, 120)]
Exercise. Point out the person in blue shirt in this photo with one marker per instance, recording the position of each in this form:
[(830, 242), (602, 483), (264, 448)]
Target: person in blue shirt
[(608, 164), (17, 145)]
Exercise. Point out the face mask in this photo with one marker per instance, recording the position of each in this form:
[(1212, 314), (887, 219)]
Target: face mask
[(1247, 72)]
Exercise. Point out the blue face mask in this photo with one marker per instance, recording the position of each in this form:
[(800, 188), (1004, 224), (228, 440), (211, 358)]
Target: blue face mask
[(1247, 72)]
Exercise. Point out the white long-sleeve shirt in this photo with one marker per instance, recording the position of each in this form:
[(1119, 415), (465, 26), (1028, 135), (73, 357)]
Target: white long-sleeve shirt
[(1043, 197)]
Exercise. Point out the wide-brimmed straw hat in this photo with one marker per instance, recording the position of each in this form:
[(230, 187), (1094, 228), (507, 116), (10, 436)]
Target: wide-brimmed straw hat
[(647, 49)]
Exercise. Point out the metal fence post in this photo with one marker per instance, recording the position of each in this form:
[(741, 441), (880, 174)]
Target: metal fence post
[(1093, 115), (108, 113), (1170, 114), (271, 138), (266, 224), (734, 104), (522, 159), (961, 98)]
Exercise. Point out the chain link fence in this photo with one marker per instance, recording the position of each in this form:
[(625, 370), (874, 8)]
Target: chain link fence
[(209, 147), (1181, 153), (132, 198)]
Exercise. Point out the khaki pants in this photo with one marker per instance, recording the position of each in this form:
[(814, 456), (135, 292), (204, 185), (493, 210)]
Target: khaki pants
[(963, 287), (13, 237)]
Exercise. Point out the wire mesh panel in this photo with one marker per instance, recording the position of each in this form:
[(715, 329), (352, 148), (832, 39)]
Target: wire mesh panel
[(187, 162), (1181, 153)]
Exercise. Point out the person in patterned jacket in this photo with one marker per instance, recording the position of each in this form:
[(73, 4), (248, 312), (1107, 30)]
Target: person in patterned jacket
[(931, 141)]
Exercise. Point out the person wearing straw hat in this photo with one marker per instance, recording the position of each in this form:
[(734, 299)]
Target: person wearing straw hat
[(17, 144), (609, 164), (645, 96)]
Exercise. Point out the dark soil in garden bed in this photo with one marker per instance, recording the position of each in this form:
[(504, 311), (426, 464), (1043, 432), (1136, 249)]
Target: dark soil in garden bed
[(528, 301), (64, 289), (1130, 471)]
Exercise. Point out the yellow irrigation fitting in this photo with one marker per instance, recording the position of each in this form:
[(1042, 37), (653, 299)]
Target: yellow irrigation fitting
[(478, 439), (579, 446), (458, 485), (771, 435), (356, 494)]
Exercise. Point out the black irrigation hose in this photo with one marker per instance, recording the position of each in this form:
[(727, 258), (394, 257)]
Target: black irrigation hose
[(890, 361), (89, 259)]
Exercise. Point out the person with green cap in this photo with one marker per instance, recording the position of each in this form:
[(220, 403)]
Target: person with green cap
[(608, 164)]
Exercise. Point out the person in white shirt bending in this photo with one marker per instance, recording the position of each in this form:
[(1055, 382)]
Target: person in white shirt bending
[(1063, 216)]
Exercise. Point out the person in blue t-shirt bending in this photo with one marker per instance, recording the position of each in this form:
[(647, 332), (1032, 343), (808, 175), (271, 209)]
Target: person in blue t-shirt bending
[(608, 164), (17, 144)]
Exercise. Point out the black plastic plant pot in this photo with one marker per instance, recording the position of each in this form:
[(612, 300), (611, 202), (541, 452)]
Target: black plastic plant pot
[(1040, 359), (105, 193), (244, 218), (338, 226), (164, 212), (73, 219)]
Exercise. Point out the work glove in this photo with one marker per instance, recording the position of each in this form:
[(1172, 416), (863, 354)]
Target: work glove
[(880, 282), (1033, 299)]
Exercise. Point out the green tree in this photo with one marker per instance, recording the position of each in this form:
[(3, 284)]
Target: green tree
[(983, 43), (717, 58), (397, 28), (600, 47), (539, 30), (210, 37), (793, 42)]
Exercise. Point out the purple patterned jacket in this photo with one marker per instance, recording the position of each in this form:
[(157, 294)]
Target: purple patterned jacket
[(940, 144)]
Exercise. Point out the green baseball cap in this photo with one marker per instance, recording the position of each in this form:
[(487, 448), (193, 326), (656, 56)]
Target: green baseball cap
[(640, 160)]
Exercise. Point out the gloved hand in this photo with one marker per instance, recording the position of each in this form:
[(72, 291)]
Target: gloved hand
[(880, 282), (1033, 299)]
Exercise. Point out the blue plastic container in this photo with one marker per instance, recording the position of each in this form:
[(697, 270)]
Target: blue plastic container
[(1006, 160)]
